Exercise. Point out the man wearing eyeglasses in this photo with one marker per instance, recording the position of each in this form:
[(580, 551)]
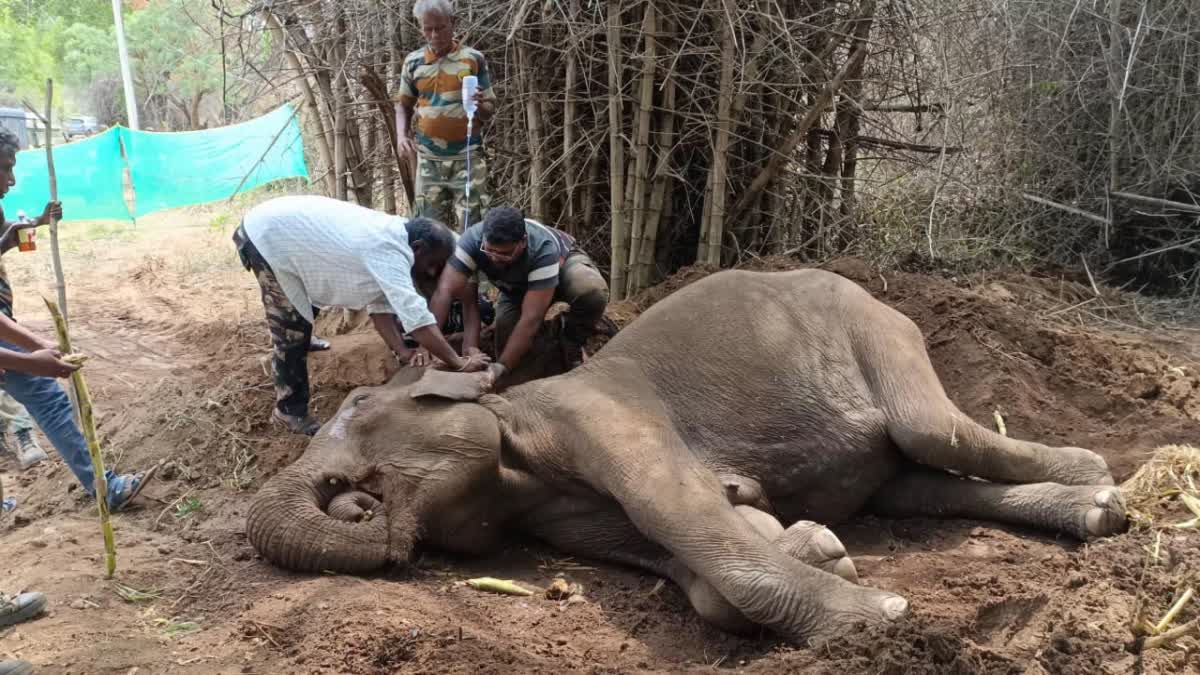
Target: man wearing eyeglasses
[(533, 266)]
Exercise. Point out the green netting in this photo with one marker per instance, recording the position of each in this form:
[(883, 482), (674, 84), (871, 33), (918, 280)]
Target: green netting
[(195, 167), (89, 175)]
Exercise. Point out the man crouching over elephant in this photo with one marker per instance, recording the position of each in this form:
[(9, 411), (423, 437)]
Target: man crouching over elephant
[(533, 266), (309, 252)]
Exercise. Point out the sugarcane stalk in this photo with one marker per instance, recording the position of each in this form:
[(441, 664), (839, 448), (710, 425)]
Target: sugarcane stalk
[(1174, 611), (88, 422), (493, 585)]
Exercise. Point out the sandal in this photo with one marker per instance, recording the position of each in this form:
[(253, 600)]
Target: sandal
[(124, 489), (316, 344)]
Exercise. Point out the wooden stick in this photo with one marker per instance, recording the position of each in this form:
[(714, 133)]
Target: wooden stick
[(88, 421), (1154, 201)]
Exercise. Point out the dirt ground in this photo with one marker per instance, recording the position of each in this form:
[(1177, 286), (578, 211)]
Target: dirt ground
[(176, 332)]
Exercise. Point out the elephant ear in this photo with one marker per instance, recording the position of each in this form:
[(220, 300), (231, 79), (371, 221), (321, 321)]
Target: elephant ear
[(449, 385)]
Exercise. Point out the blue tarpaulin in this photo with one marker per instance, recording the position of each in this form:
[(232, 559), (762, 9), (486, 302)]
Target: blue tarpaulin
[(195, 167), (89, 174), (168, 170)]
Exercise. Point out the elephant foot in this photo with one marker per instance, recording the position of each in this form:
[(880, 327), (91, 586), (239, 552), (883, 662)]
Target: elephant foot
[(816, 545), (850, 607), (1105, 512), (1077, 466)]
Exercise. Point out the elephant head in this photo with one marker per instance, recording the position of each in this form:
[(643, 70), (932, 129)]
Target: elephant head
[(392, 457)]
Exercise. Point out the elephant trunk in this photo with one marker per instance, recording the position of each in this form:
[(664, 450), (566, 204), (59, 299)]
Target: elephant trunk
[(289, 526)]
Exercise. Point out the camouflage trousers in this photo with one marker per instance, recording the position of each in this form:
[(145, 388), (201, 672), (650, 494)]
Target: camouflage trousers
[(441, 189), (290, 332)]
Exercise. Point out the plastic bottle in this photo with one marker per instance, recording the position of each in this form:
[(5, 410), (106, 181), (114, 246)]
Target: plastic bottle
[(25, 235), (470, 85)]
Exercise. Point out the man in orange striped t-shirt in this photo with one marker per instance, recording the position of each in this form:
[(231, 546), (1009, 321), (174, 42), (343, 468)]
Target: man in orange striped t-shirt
[(431, 109)]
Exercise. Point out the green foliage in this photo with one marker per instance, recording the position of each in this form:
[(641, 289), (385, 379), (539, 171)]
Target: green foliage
[(174, 50)]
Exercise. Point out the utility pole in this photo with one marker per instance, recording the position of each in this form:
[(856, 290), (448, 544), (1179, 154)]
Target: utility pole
[(130, 100)]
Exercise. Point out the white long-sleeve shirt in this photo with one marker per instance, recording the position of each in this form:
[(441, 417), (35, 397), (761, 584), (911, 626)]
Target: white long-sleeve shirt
[(330, 253)]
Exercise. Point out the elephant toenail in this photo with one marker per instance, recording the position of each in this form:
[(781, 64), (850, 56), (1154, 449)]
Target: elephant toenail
[(895, 608), (845, 569), (830, 546)]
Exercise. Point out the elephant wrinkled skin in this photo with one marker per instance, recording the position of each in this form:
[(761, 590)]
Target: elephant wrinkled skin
[(710, 442)]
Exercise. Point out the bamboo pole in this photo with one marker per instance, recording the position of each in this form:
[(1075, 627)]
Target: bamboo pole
[(533, 113), (569, 112), (88, 423), (60, 283), (645, 114), (662, 180), (616, 159), (710, 243), (339, 141)]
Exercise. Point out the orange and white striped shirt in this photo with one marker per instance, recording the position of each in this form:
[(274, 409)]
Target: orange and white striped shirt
[(432, 86)]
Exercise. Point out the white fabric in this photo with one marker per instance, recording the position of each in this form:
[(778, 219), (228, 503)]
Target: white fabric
[(331, 253)]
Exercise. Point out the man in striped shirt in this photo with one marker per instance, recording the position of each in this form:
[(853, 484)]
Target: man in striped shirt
[(430, 107), (533, 266)]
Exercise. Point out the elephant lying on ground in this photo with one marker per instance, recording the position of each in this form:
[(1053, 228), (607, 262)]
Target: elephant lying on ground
[(738, 405)]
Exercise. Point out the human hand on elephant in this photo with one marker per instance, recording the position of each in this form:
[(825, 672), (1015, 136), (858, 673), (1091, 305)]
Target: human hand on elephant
[(492, 375)]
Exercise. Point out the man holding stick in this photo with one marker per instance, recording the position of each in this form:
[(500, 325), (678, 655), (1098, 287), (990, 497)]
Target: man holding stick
[(30, 363)]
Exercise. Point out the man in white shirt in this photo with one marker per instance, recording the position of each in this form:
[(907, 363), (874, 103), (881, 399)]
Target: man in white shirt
[(310, 252)]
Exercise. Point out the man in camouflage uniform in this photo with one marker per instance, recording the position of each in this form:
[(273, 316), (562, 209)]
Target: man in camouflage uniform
[(432, 123)]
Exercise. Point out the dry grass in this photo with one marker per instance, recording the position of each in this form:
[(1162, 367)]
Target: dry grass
[(1165, 491)]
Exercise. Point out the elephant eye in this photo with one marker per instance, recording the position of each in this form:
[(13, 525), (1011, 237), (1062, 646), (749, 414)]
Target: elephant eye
[(359, 398)]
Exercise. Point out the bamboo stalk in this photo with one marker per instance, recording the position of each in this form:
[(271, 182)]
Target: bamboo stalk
[(710, 244), (662, 180), (616, 159), (339, 143), (88, 423), (569, 108), (645, 114), (533, 113)]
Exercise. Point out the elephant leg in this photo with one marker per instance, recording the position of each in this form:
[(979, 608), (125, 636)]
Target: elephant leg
[(932, 431), (806, 541), (1083, 511), (602, 531)]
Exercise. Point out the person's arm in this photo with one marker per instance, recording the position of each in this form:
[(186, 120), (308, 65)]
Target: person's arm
[(485, 96), (14, 333), (385, 324), (472, 324), (8, 240), (406, 102), (392, 270), (404, 139), (533, 311), (43, 358), (455, 285)]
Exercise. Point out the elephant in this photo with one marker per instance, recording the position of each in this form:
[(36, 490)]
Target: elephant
[(711, 441)]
